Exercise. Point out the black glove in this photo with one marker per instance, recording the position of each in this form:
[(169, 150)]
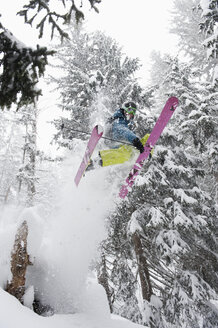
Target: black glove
[(137, 143), (110, 119)]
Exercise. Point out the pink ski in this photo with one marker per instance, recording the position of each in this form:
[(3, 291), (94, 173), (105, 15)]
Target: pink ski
[(94, 138), (162, 121)]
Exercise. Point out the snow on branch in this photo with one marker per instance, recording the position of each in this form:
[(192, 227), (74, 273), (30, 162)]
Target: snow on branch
[(21, 68)]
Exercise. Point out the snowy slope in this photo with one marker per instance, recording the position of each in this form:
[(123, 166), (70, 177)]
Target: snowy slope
[(13, 314), (62, 247)]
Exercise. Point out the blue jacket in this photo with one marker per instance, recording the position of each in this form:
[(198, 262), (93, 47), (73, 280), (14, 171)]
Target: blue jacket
[(121, 127)]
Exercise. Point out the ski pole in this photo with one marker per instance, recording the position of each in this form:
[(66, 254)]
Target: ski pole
[(89, 133), (125, 143)]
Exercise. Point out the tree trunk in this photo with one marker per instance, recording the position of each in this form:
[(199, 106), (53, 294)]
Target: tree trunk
[(19, 263), (27, 172), (142, 267), (103, 280)]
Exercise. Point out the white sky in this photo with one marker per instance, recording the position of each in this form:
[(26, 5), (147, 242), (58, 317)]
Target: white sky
[(139, 26)]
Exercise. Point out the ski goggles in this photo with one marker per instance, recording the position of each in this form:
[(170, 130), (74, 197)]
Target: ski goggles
[(130, 110)]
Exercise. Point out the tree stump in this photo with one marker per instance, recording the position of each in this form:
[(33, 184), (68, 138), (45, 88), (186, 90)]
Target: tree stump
[(19, 262)]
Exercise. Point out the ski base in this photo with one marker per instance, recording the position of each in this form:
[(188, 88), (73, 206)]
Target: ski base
[(162, 121), (93, 140)]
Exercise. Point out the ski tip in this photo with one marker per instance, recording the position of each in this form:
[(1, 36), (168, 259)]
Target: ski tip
[(174, 100), (76, 181), (123, 192), (99, 130), (173, 103)]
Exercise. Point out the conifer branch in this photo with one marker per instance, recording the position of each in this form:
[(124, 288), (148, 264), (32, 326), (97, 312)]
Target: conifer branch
[(53, 18)]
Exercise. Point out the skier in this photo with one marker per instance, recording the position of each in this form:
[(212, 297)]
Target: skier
[(121, 125), (124, 116)]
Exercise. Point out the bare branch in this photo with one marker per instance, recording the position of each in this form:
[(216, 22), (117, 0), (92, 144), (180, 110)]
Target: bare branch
[(51, 17)]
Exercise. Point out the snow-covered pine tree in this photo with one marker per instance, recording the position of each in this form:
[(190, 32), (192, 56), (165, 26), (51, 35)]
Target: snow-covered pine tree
[(203, 131), (97, 78), (187, 213), (27, 170), (119, 269), (186, 23), (22, 165), (10, 155), (21, 70), (175, 220), (22, 65), (209, 26)]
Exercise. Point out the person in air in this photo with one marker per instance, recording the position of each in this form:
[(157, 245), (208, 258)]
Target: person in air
[(121, 130), (122, 125)]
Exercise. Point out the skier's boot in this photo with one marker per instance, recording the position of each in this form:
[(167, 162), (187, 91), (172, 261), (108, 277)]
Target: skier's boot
[(90, 165), (94, 164)]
